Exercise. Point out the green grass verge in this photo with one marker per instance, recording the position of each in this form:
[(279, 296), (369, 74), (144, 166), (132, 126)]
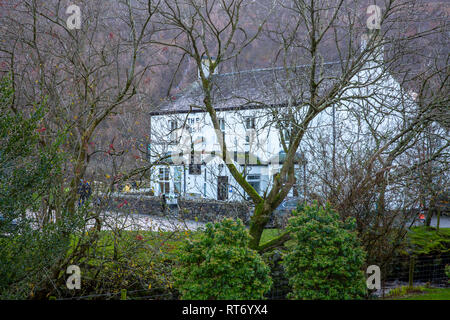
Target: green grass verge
[(428, 294)]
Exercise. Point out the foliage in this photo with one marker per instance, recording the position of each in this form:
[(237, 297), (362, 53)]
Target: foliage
[(129, 260), (219, 265), (447, 271), (22, 173), (428, 240), (405, 290), (27, 169), (326, 260), (27, 257)]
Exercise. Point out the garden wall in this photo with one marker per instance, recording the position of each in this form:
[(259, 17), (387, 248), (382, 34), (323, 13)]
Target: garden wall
[(202, 210)]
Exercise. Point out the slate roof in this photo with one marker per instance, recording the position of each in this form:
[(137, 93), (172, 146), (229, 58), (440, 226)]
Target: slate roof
[(247, 89)]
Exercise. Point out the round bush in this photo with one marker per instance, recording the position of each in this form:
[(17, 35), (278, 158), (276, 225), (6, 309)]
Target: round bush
[(219, 265), (326, 260)]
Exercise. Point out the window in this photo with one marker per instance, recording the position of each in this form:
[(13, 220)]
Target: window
[(173, 131), (250, 137), (164, 181), (177, 179), (222, 124), (164, 174), (255, 181), (250, 123)]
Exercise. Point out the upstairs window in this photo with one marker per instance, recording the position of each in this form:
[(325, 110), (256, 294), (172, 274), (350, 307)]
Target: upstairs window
[(250, 123), (222, 124), (172, 131)]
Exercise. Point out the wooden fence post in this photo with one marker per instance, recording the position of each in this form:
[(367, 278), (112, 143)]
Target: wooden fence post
[(123, 294)]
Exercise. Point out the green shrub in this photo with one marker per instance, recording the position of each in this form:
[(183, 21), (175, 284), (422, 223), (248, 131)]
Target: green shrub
[(447, 271), (126, 260), (427, 240), (219, 265), (28, 170), (326, 261)]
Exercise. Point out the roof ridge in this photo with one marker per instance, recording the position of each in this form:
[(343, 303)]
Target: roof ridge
[(269, 69)]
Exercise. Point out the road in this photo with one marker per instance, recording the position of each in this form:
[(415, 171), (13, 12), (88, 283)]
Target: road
[(115, 220)]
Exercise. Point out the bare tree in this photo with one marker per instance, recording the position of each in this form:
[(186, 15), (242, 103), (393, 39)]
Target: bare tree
[(306, 31)]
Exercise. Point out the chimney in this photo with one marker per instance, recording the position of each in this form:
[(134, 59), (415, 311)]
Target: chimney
[(206, 62)]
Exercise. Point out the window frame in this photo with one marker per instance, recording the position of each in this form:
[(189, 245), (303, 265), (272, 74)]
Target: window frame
[(250, 123)]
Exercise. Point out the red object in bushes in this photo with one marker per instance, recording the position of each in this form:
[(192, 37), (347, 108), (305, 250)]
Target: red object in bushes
[(123, 203)]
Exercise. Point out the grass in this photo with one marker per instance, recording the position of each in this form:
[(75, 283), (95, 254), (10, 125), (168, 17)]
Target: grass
[(137, 242), (424, 240), (152, 238), (424, 294)]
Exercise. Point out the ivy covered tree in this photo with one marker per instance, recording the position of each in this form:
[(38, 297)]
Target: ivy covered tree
[(28, 247), (20, 174), (326, 261), (220, 265)]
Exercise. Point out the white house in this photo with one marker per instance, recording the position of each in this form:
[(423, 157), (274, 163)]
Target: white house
[(247, 103), (178, 127)]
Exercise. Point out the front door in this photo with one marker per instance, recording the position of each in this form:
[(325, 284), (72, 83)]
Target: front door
[(222, 188)]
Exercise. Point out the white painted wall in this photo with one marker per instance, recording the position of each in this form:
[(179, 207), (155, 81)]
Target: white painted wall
[(383, 95)]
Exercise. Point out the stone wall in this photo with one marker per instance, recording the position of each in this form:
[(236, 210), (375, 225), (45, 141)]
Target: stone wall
[(202, 210)]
